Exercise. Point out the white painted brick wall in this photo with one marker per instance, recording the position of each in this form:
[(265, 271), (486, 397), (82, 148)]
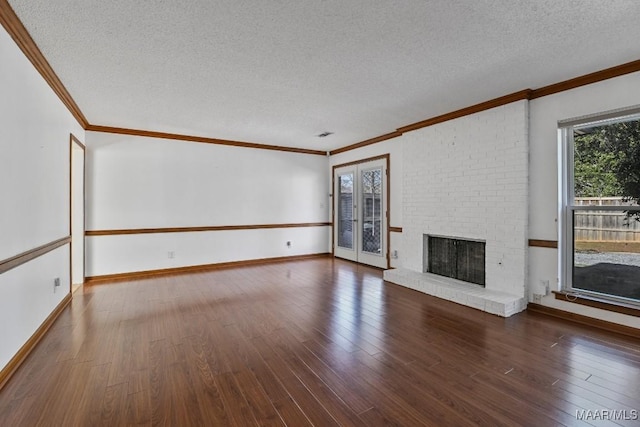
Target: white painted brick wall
[(469, 178)]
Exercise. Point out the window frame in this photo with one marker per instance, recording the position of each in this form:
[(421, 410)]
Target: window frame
[(566, 196)]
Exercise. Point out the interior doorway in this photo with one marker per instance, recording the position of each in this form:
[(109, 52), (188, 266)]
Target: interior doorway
[(77, 158), (360, 211)]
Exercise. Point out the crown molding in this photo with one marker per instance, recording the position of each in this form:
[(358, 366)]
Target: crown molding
[(476, 108), (473, 109), (526, 94), (20, 35), (200, 139), (16, 29), (587, 79), (366, 142)]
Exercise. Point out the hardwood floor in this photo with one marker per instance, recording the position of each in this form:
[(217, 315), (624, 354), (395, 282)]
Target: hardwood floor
[(317, 342)]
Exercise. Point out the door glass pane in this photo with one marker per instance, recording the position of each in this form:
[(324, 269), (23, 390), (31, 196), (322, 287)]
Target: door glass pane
[(345, 211), (372, 211)]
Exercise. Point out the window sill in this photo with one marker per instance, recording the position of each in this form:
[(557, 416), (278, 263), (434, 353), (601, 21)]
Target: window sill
[(596, 302)]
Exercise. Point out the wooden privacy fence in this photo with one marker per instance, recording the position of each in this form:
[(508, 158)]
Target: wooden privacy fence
[(597, 226)]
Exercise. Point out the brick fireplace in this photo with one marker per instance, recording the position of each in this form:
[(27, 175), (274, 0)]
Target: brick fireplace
[(468, 178)]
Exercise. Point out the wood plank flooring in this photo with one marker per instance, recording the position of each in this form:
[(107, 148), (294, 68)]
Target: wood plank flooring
[(318, 342)]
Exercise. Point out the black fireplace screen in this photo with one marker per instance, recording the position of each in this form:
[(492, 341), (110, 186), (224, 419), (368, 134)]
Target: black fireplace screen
[(456, 258)]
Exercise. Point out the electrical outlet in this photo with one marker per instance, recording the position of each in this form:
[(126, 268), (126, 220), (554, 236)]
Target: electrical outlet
[(288, 243), (171, 254), (394, 254), (56, 284), (537, 298)]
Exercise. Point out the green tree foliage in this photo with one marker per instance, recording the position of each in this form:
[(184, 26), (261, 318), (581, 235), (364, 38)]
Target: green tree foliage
[(594, 165), (607, 162)]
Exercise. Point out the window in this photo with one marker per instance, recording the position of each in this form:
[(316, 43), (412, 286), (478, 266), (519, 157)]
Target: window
[(600, 241)]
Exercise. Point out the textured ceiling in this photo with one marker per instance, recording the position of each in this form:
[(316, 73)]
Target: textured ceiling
[(282, 71)]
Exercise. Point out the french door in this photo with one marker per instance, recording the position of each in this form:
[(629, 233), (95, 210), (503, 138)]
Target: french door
[(360, 212)]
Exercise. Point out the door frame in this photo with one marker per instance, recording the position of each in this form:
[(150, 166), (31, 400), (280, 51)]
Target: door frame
[(350, 254), (387, 158), (75, 143)]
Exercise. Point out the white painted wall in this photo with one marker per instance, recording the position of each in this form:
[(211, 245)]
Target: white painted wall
[(545, 113), (28, 297), (128, 253), (139, 182), (393, 147), (34, 172), (34, 155)]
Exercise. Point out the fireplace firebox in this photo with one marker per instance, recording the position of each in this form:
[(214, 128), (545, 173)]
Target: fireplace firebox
[(462, 259)]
